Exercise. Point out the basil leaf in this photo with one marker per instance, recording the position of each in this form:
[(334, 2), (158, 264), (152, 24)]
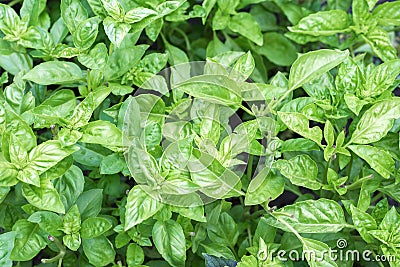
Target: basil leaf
[(6, 246), (99, 250), (134, 255), (311, 216), (170, 242), (298, 123), (213, 88), (44, 197), (29, 241), (245, 24), (73, 13), (139, 207), (322, 23), (376, 122), (94, 227), (301, 170), (379, 160), (313, 64), (54, 72)]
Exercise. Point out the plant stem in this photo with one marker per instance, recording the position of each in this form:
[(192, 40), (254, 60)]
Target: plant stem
[(357, 184), (12, 3)]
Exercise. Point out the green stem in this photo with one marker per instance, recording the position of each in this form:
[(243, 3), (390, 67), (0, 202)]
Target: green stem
[(183, 34), (276, 103), (249, 235), (357, 184), (12, 3), (249, 167), (247, 110), (59, 257)]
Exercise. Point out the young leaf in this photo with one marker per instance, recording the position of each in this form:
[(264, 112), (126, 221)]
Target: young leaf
[(313, 64), (139, 207), (99, 250), (95, 226), (378, 159), (44, 197), (301, 170), (29, 241), (322, 23), (376, 121), (134, 255), (170, 242), (298, 123), (311, 216), (54, 72), (245, 24), (6, 246)]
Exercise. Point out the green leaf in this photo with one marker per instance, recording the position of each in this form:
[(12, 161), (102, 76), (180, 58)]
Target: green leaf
[(134, 255), (376, 121), (72, 221), (170, 242), (380, 43), (208, 6), (266, 186), (315, 253), (278, 49), (95, 226), (389, 229), (99, 250), (73, 13), (103, 133), (301, 170), (225, 232), (44, 197), (48, 222), (388, 14), (313, 64), (58, 105), (122, 60), (311, 216), (6, 246), (29, 241), (214, 179), (245, 24), (72, 241), (112, 164), (137, 14), (86, 33), (10, 23), (298, 123), (90, 202), (139, 207), (379, 159), (113, 9), (363, 222), (47, 155), (243, 67), (323, 23), (96, 58), (8, 174), (381, 78), (70, 186), (54, 72), (116, 31), (217, 89)]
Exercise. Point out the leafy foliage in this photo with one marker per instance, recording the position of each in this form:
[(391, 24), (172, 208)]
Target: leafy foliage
[(287, 141)]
